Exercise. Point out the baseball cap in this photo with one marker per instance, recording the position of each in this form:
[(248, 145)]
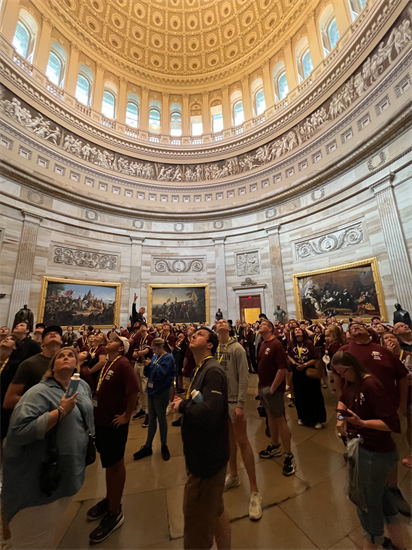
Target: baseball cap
[(122, 339), (52, 328)]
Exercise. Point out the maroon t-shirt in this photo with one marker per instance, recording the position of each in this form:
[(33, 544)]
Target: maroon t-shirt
[(142, 344), (191, 363), (81, 342), (372, 403), (133, 336), (170, 339), (333, 348), (119, 381), (308, 352), (271, 358), (382, 363)]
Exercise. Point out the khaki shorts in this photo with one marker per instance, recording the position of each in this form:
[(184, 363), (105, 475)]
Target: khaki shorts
[(232, 408), (202, 506), (273, 403)]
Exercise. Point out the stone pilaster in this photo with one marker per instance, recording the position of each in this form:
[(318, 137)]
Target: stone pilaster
[(221, 285), (399, 259), (135, 269), (24, 268), (276, 268)]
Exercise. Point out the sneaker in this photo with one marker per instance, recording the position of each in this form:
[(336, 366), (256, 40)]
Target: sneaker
[(98, 510), (407, 461), (318, 426), (169, 409), (165, 453), (300, 422), (177, 422), (142, 452), (403, 506), (255, 506), (292, 402), (231, 481), (271, 451), (139, 414), (289, 465), (146, 421), (109, 523)]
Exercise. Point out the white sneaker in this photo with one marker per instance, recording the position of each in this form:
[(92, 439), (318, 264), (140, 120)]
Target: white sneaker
[(300, 422), (318, 426), (255, 506), (231, 482), (169, 409)]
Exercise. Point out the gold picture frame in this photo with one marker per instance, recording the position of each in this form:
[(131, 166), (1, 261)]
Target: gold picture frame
[(318, 295), (77, 307), (199, 308)]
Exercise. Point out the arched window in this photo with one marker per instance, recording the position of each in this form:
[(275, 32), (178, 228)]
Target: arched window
[(196, 121), (217, 117), (333, 33), (154, 120), (132, 114), (282, 85), (21, 40), (260, 102), (83, 88), (328, 29), (109, 104), (356, 6), (54, 69), (307, 66), (238, 114), (175, 120)]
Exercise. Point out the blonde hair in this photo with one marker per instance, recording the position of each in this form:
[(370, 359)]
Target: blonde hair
[(49, 372), (335, 334), (159, 342)]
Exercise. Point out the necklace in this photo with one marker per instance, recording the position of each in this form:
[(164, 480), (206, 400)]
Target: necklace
[(194, 376), (219, 351), (104, 371)]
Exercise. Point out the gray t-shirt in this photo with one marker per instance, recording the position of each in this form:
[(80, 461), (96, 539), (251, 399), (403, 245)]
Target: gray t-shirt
[(31, 371)]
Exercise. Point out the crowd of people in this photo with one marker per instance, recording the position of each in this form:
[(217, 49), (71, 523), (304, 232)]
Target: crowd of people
[(201, 375)]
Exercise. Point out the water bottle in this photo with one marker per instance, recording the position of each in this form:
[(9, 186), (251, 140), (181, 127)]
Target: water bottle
[(74, 384), (197, 396)]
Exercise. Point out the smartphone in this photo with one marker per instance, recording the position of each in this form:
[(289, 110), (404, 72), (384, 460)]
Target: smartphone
[(343, 413)]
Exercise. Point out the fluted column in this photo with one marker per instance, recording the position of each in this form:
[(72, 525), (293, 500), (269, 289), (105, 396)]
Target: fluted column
[(342, 14), (144, 110), (24, 269), (227, 115), (398, 254), (135, 268), (73, 69), (186, 115), (315, 44), (165, 125), (10, 16), (122, 101), (205, 113), (246, 99), (276, 267), (221, 293), (268, 85), (98, 88), (43, 43), (290, 65)]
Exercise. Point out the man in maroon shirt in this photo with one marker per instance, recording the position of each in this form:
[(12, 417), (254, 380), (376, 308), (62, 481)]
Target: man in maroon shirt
[(189, 365), (272, 369), (114, 400), (391, 373), (142, 352)]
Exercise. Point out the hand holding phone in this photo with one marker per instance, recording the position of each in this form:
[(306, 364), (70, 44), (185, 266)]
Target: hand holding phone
[(343, 413)]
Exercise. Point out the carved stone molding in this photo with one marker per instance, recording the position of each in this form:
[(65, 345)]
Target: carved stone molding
[(376, 161), (36, 198), (179, 265), (138, 224), (179, 226), (248, 282), (341, 238), (84, 258), (219, 224), (317, 194), (91, 215), (271, 213), (247, 263)]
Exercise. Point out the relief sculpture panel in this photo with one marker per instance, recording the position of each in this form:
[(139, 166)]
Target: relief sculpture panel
[(247, 263)]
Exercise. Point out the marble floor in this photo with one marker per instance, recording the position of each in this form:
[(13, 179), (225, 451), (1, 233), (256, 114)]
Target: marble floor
[(306, 511)]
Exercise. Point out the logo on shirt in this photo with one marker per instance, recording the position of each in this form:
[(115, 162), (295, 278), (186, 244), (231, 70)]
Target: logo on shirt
[(376, 355), (109, 374), (267, 351)]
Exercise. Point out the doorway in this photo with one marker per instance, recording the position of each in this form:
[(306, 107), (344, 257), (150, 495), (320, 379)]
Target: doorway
[(250, 308)]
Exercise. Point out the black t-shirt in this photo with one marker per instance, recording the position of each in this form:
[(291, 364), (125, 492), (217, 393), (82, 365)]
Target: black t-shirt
[(405, 346), (31, 371)]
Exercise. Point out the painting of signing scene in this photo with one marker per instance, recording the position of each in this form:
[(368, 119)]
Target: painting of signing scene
[(73, 302), (350, 290), (188, 303)]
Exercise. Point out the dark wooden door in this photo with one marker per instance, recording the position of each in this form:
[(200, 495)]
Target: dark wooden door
[(249, 307)]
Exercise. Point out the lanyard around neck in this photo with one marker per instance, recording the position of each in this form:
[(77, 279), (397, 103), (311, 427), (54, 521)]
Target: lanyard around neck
[(299, 350), (194, 376), (4, 364), (219, 351), (104, 371)]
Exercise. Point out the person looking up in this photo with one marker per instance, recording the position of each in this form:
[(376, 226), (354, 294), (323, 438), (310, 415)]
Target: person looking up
[(114, 400), (4, 332), (8, 367), (28, 347), (369, 418), (142, 352), (32, 370), (69, 337), (404, 335), (98, 353), (232, 358), (84, 338), (137, 316), (272, 368), (205, 434), (189, 366)]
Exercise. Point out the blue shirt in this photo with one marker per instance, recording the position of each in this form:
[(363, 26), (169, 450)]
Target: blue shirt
[(26, 445), (160, 373)]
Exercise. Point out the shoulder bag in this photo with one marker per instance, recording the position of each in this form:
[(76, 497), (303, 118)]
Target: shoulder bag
[(91, 449), (50, 472)]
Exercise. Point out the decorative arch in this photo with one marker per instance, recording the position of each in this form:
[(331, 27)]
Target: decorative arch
[(25, 36), (328, 29), (56, 66), (303, 59)]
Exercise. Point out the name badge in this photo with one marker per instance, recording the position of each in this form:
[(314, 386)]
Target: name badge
[(94, 401), (150, 384)]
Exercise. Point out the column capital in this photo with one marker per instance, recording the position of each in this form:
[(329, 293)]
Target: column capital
[(31, 218), (310, 17), (100, 66), (123, 80), (166, 94), (383, 184), (273, 229), (47, 21), (145, 89), (219, 240), (205, 93), (245, 78), (137, 240), (185, 95)]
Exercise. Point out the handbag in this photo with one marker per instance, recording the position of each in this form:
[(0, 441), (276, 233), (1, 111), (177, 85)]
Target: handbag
[(50, 472), (312, 372), (91, 448)]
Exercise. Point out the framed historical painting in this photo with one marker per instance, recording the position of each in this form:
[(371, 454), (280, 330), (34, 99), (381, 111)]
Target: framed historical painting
[(350, 290), (178, 303), (72, 302)]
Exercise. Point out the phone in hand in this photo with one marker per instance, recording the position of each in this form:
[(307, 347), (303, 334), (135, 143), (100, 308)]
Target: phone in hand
[(342, 414)]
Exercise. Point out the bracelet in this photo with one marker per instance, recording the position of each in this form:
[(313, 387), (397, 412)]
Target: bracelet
[(62, 412)]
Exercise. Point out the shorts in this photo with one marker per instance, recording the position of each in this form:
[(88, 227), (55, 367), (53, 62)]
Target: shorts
[(202, 506), (111, 443), (273, 403), (232, 407)]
